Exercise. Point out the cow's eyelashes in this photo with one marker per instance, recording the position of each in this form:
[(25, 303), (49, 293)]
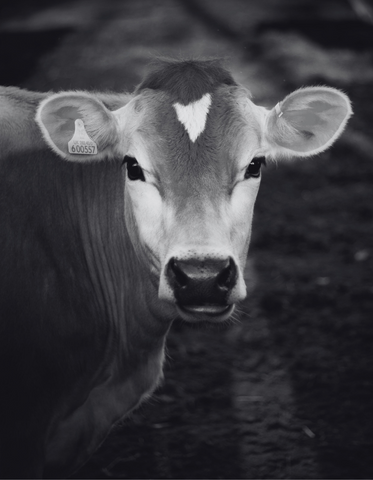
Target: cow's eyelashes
[(134, 171), (253, 170)]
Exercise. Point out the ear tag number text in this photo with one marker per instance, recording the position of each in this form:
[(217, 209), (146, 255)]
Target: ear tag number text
[(81, 143)]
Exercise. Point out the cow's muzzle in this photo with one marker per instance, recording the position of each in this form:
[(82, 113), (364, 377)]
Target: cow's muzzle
[(202, 287)]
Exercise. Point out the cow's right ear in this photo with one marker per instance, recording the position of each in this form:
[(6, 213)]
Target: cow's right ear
[(78, 126)]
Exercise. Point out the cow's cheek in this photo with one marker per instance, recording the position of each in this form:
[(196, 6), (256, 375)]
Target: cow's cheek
[(146, 206), (241, 214)]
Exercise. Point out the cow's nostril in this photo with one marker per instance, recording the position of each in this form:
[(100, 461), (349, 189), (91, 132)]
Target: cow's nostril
[(175, 273), (228, 275)]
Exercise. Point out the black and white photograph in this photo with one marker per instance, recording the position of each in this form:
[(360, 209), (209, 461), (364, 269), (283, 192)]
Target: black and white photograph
[(186, 239)]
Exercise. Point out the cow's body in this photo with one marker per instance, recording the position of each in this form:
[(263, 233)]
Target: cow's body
[(66, 308), (84, 306)]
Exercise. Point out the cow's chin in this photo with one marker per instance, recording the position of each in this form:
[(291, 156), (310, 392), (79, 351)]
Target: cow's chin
[(205, 313)]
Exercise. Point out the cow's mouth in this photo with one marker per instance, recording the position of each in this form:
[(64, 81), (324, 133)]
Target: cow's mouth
[(211, 313)]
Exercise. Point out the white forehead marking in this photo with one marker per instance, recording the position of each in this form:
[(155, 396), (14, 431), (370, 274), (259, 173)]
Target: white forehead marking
[(194, 115)]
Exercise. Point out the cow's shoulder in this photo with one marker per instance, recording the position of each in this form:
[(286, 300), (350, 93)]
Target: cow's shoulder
[(18, 105), (18, 131)]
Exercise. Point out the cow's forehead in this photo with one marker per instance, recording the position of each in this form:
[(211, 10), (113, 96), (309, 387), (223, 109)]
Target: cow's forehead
[(206, 134), (196, 123)]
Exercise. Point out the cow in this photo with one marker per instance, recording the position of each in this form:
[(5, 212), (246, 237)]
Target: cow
[(120, 213)]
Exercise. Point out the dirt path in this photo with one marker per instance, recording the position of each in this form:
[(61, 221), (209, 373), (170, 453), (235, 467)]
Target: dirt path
[(286, 392)]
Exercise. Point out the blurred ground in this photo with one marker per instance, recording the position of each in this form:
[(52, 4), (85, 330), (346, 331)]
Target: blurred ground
[(287, 391)]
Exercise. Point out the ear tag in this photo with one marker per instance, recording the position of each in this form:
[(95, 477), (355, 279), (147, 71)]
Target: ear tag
[(81, 143)]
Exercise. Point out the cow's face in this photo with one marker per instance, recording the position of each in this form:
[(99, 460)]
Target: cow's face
[(192, 173), (191, 189)]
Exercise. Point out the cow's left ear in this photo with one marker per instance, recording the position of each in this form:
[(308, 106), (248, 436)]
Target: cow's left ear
[(306, 122), (78, 126)]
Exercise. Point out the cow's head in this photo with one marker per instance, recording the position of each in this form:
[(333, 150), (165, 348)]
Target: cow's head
[(192, 145)]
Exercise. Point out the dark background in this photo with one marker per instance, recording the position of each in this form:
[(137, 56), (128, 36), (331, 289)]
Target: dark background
[(287, 391)]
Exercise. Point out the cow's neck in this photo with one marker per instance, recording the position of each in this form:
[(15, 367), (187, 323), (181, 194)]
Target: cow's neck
[(120, 282)]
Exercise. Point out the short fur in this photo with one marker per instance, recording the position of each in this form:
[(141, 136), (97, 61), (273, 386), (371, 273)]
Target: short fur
[(187, 81)]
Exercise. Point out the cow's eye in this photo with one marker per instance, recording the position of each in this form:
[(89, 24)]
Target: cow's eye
[(134, 171), (253, 170)]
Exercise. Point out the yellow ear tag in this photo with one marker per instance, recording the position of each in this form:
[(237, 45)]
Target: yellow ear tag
[(81, 143)]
